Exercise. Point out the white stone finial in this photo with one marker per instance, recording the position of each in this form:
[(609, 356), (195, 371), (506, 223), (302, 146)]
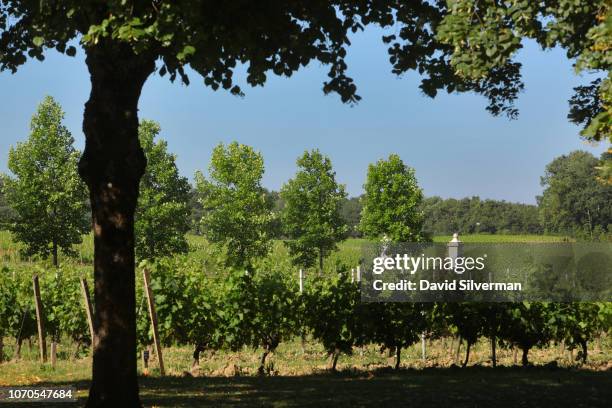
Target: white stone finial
[(455, 237)]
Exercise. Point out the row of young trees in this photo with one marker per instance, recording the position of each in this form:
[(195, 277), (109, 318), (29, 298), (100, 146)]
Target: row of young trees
[(239, 215), (46, 208), (49, 205), (234, 309)]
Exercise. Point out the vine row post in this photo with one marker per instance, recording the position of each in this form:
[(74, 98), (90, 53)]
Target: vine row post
[(39, 319), (151, 303)]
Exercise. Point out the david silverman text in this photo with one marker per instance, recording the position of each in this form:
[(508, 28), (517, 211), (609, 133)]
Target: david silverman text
[(464, 284)]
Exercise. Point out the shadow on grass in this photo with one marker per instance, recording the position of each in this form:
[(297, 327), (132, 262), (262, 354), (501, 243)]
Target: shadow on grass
[(433, 387)]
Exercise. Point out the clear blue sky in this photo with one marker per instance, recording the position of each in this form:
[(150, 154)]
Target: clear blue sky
[(456, 147)]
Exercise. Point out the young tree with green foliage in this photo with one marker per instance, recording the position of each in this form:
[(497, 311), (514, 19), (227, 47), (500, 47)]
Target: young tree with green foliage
[(392, 202), (311, 217), (6, 212), (126, 41), (573, 200), (236, 213), (163, 213), (46, 193)]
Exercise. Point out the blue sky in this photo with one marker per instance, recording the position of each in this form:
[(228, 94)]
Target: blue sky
[(456, 147)]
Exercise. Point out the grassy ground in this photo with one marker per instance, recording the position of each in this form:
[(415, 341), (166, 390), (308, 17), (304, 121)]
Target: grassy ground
[(472, 387), (298, 377)]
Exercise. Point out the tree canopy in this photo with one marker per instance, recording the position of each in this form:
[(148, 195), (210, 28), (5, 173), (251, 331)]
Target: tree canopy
[(235, 210), (163, 213), (46, 193), (573, 201), (392, 202), (311, 217), (456, 45)]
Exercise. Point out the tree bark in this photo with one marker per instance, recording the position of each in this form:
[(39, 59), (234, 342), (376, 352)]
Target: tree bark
[(583, 344), (262, 364), (398, 356), (467, 354), (55, 263), (525, 358), (333, 361), (111, 165), (199, 348), (458, 350)]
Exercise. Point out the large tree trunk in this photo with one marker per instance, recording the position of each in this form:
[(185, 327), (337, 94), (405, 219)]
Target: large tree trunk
[(111, 166)]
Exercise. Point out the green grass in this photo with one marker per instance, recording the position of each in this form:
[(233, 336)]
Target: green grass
[(290, 359), (364, 380), (298, 378), (349, 251)]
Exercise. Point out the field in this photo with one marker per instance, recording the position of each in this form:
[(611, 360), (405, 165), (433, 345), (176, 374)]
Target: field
[(9, 250), (296, 373)]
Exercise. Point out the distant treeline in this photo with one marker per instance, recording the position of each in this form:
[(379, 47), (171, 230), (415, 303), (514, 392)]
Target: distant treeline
[(467, 215), (474, 215), (446, 216)]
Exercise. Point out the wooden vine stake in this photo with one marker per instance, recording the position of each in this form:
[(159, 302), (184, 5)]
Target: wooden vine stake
[(88, 310), (39, 319), (158, 350), (53, 353)]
